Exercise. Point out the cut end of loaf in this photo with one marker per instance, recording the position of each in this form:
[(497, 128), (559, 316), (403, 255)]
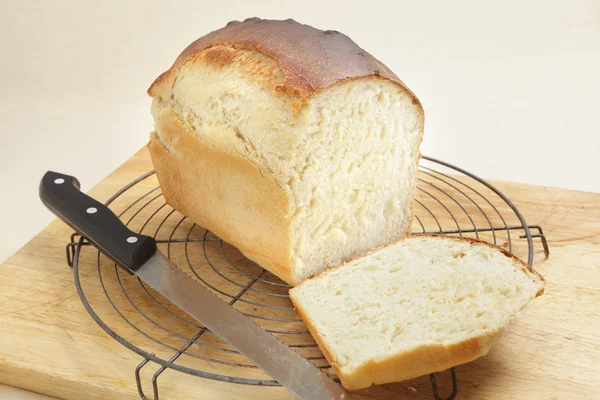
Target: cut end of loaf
[(415, 307), (355, 174), (342, 166)]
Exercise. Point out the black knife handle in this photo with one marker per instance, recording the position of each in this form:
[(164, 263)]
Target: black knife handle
[(95, 221)]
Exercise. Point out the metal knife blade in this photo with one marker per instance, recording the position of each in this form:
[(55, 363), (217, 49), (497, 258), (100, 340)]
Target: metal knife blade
[(285, 365), (139, 255)]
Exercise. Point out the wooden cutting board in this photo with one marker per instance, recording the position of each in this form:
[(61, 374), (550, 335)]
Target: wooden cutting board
[(49, 343)]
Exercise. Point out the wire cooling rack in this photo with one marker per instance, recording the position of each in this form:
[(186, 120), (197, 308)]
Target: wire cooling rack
[(449, 201)]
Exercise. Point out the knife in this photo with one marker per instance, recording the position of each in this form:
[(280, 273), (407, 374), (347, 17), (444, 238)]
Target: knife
[(139, 255)]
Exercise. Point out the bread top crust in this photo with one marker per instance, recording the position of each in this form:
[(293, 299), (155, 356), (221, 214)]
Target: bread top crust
[(311, 59)]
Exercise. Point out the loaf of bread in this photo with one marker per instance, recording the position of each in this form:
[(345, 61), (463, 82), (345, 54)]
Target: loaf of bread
[(418, 306), (291, 143)]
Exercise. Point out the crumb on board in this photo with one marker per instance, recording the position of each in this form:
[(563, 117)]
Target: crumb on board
[(505, 244), (475, 384), (413, 389)]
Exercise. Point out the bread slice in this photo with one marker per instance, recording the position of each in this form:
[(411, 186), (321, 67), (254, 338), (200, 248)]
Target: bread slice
[(417, 306), (291, 143)]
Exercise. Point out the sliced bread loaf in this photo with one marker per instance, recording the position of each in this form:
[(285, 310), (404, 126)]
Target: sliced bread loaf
[(417, 306), (291, 143)]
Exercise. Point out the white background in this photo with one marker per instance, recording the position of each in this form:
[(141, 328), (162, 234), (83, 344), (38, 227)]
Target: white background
[(510, 88)]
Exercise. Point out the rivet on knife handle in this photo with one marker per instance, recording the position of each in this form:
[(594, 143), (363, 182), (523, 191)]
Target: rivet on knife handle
[(93, 220)]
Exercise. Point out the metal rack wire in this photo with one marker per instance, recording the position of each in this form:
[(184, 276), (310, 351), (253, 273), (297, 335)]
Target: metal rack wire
[(449, 201)]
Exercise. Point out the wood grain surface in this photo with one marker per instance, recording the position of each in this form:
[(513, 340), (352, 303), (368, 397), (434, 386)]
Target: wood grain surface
[(50, 344)]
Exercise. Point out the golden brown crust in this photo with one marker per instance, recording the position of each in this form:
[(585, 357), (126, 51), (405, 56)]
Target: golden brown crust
[(419, 361), (220, 55), (310, 59), (231, 196)]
